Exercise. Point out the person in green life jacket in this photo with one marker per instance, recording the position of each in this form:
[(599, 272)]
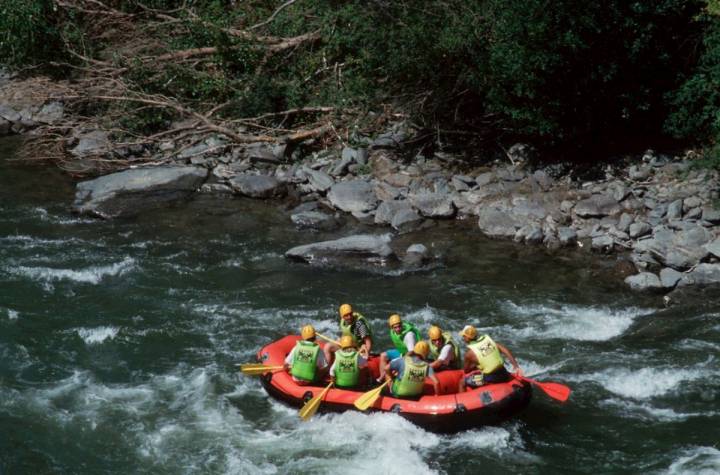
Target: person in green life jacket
[(345, 370), (404, 336), (444, 351), (407, 373), (483, 363), (355, 325), (306, 362)]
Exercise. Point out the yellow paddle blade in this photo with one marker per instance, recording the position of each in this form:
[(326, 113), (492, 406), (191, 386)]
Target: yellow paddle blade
[(369, 398), (311, 407), (256, 369), (327, 338)]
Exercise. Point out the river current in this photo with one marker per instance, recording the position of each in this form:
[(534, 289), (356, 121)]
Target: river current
[(118, 341)]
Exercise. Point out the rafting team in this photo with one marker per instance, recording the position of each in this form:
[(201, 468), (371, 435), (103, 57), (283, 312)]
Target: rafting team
[(405, 366)]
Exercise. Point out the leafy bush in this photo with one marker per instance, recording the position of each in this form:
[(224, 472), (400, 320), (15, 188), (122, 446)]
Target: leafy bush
[(27, 34)]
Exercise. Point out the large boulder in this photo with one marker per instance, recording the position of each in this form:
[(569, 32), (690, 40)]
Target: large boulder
[(362, 246), (433, 205), (644, 281), (257, 186), (597, 206), (355, 196), (128, 192)]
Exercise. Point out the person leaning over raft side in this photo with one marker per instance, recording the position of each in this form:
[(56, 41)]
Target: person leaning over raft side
[(404, 336), (306, 362), (483, 362), (354, 325), (409, 373), (345, 371), (444, 350)]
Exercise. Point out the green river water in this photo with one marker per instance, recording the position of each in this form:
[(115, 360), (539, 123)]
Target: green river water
[(118, 341)]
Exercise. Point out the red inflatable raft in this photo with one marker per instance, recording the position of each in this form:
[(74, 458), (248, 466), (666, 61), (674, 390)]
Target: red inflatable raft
[(448, 412)]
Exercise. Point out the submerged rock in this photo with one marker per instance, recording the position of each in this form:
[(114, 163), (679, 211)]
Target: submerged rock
[(129, 192), (361, 246)]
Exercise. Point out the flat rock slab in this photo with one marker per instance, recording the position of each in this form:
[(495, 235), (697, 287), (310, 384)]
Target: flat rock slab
[(315, 220), (597, 206), (361, 246), (257, 186), (129, 192)]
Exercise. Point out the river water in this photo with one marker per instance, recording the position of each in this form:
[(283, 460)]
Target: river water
[(118, 341)]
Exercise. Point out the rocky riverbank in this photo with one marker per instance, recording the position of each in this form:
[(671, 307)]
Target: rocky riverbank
[(659, 212)]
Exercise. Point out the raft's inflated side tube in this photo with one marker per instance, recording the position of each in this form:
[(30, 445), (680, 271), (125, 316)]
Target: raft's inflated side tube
[(448, 412)]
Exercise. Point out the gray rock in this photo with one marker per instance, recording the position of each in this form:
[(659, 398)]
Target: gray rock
[(415, 256), (713, 247), (530, 233), (265, 152), (216, 189), (386, 192), (433, 205), (406, 220), (9, 114), (314, 220), (670, 277), (129, 192), (358, 246), (639, 229), (702, 274), (388, 209), (567, 236), (399, 180), (257, 186), (496, 222), (340, 167), (50, 113), (459, 185), (644, 281), (566, 206), (510, 174), (691, 202), (485, 178), (319, 180), (4, 127), (711, 215), (603, 243), (92, 143), (353, 196), (543, 179), (212, 145), (625, 221), (675, 210), (694, 213), (597, 206), (640, 173), (620, 192)]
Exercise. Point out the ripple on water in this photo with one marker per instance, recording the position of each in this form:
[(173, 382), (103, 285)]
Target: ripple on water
[(89, 275), (696, 461)]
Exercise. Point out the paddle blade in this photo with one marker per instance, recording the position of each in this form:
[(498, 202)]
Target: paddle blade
[(311, 407), (256, 369), (369, 398), (556, 391)]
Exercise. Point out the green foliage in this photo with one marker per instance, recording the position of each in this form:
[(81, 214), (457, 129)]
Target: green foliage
[(549, 72), (27, 32)]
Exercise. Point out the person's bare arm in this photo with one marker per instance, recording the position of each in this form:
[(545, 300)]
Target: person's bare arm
[(366, 346), (436, 385), (510, 357)]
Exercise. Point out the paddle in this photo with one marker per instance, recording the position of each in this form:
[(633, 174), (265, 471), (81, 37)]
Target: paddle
[(327, 338), (369, 398), (311, 407), (256, 369), (556, 391)]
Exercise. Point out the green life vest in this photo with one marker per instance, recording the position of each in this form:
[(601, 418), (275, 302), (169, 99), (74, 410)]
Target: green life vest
[(413, 379), (347, 329), (347, 370), (397, 339), (447, 339), (304, 364), (487, 353)]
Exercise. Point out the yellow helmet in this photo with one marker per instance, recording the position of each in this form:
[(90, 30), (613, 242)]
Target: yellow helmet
[(307, 332), (347, 342), (422, 348), (435, 333), (345, 309), (394, 320), (469, 331)]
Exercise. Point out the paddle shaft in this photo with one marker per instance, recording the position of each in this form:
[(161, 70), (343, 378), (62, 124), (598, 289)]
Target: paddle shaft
[(311, 407), (327, 338)]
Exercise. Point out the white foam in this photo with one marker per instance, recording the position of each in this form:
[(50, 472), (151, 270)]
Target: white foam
[(696, 461), (572, 322), (89, 275), (12, 314), (646, 383), (93, 336), (645, 411), (44, 215)]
